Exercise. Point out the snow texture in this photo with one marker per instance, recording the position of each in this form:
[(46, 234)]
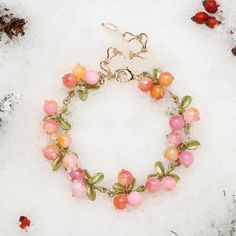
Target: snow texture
[(118, 126)]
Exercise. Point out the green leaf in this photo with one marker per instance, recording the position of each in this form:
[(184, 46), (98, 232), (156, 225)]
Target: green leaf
[(91, 194), (131, 186), (141, 188), (192, 145), (153, 175), (64, 124), (159, 168), (118, 187), (186, 100), (49, 117), (176, 177), (98, 177), (56, 163), (87, 175), (83, 94), (156, 72)]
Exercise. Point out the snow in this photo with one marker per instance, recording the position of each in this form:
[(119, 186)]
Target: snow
[(117, 127)]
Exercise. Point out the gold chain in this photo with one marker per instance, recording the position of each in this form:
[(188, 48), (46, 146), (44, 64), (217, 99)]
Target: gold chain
[(122, 74)]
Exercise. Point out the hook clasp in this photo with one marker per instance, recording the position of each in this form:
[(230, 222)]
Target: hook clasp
[(123, 75)]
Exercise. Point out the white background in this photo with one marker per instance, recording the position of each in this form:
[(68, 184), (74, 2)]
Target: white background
[(117, 127)]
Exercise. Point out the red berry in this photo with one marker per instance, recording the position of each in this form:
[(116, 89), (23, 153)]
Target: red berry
[(211, 6), (212, 22), (25, 222), (120, 201), (200, 17)]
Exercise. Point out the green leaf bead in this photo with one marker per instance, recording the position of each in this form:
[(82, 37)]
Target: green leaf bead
[(64, 124), (98, 177), (83, 95), (192, 145), (91, 194), (159, 168), (118, 187), (186, 100), (56, 163)]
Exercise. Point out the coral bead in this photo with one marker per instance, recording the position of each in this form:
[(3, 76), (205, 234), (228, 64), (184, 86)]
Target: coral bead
[(50, 107), (145, 84), (69, 80), (64, 140), (191, 115), (92, 77), (166, 79), (135, 198), (125, 177), (51, 152), (79, 190), (177, 122), (186, 158), (173, 138), (120, 201), (70, 161), (153, 184), (157, 92), (168, 183), (171, 154), (79, 72), (77, 174), (50, 126)]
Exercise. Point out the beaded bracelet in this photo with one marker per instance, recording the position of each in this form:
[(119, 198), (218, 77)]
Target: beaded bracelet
[(80, 82)]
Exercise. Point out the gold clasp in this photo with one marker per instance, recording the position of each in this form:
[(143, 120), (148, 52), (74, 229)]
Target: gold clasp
[(123, 75)]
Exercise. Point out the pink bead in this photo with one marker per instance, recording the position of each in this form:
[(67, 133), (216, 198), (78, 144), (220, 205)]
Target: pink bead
[(145, 84), (50, 126), (50, 107), (77, 174), (92, 77), (79, 190), (173, 138), (176, 122), (168, 183), (135, 198), (191, 115), (186, 158), (70, 161), (69, 80), (51, 152), (153, 184)]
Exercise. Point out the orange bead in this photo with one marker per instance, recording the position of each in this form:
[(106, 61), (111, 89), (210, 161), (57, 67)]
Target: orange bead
[(166, 79), (79, 72), (120, 201), (64, 140), (171, 154), (157, 92)]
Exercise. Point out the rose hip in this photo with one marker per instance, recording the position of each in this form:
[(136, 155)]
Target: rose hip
[(211, 6), (200, 18), (212, 22)]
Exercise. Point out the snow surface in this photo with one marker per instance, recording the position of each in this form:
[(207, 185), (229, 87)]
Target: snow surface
[(117, 127)]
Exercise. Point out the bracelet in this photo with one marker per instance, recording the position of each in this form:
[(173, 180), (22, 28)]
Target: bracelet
[(80, 82)]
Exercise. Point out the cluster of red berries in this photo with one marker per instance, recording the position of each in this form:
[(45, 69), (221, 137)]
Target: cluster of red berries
[(211, 6), (24, 222)]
